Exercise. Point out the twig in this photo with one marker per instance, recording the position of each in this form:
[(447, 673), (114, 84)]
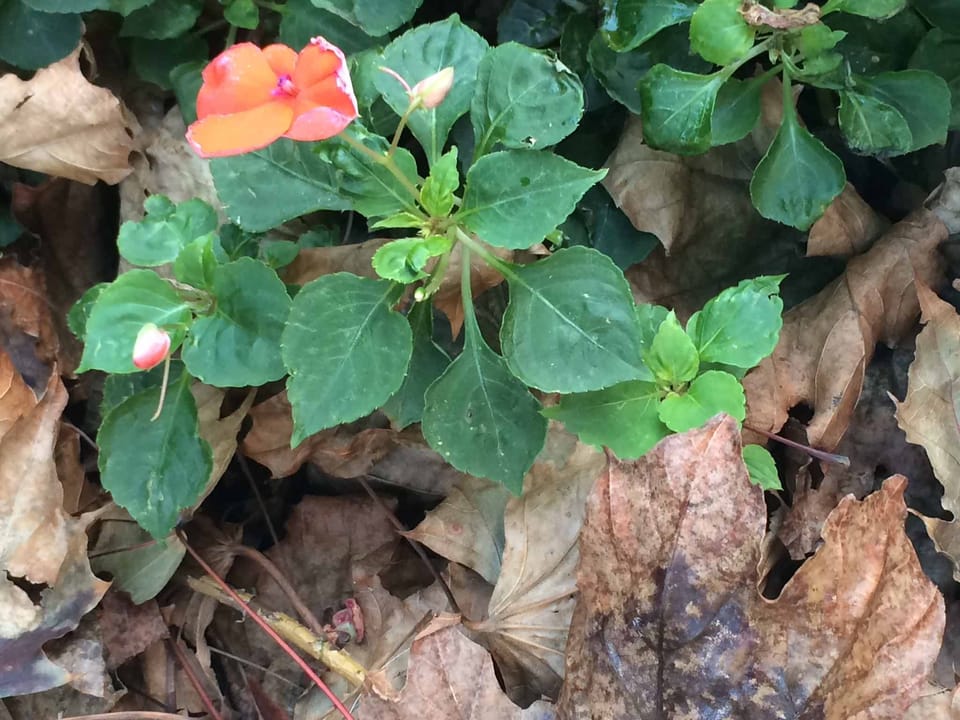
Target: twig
[(251, 663), (265, 626), (813, 452), (245, 468), (194, 680)]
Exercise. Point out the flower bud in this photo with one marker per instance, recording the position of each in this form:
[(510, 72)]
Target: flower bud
[(431, 91), (151, 347)]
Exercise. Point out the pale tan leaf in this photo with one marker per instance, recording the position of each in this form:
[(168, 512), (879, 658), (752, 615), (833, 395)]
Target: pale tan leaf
[(16, 399), (930, 414), (450, 678), (935, 703), (827, 341), (467, 527), (531, 605), (60, 124), (669, 623)]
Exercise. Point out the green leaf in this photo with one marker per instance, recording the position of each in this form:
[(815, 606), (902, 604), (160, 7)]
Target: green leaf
[(239, 344), (630, 23), (405, 260), (303, 20), (373, 189), (876, 9), (276, 254), (80, 312), (872, 127), (713, 392), (31, 39), (623, 417), (132, 300), (524, 98), (346, 349), (736, 112), (418, 54), (922, 98), (606, 228), (427, 363), (153, 60), (536, 23), (677, 108), (649, 319), (719, 33), (196, 263), (377, 18), (761, 467), (124, 7), (741, 325), (186, 80), (156, 468), (672, 357), (165, 231), (242, 14), (119, 388), (481, 419), (144, 570), (514, 198), (571, 324), (940, 53), (942, 13), (621, 72), (872, 46), (436, 195), (162, 19), (365, 72), (265, 188), (798, 177)]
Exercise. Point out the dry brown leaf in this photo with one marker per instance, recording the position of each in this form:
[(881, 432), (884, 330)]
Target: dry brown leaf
[(34, 530), (936, 703), (60, 124), (467, 527), (781, 19), (450, 678), (128, 629), (529, 612), (827, 341), (448, 298), (803, 523), (679, 198), (848, 227), (220, 433), (16, 399), (27, 326), (930, 414), (669, 623)]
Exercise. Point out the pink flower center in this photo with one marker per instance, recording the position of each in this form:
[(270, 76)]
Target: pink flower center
[(285, 86)]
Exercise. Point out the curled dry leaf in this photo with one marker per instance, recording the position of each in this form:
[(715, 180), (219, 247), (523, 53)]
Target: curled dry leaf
[(450, 677), (930, 414), (16, 399), (60, 124), (935, 703), (669, 623), (128, 629), (27, 326), (827, 341), (220, 433), (532, 602), (781, 19)]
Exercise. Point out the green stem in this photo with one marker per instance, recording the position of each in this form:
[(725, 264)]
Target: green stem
[(758, 49), (502, 266), (400, 126), (267, 5), (387, 162), (466, 295), (436, 278), (231, 37)]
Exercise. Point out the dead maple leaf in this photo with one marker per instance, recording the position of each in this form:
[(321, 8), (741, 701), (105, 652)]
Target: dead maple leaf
[(129, 629), (930, 414), (467, 527), (935, 703), (828, 340), (669, 623), (220, 433), (803, 522), (450, 678), (16, 399), (60, 124), (532, 602), (27, 326)]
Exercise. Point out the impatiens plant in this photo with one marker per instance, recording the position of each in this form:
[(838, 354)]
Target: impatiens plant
[(285, 132)]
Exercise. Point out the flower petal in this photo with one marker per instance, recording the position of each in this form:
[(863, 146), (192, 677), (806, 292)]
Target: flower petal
[(329, 94), (238, 133), (281, 58), (316, 62), (318, 124), (238, 79)]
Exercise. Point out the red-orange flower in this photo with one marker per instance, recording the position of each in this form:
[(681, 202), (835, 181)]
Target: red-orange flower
[(252, 96)]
